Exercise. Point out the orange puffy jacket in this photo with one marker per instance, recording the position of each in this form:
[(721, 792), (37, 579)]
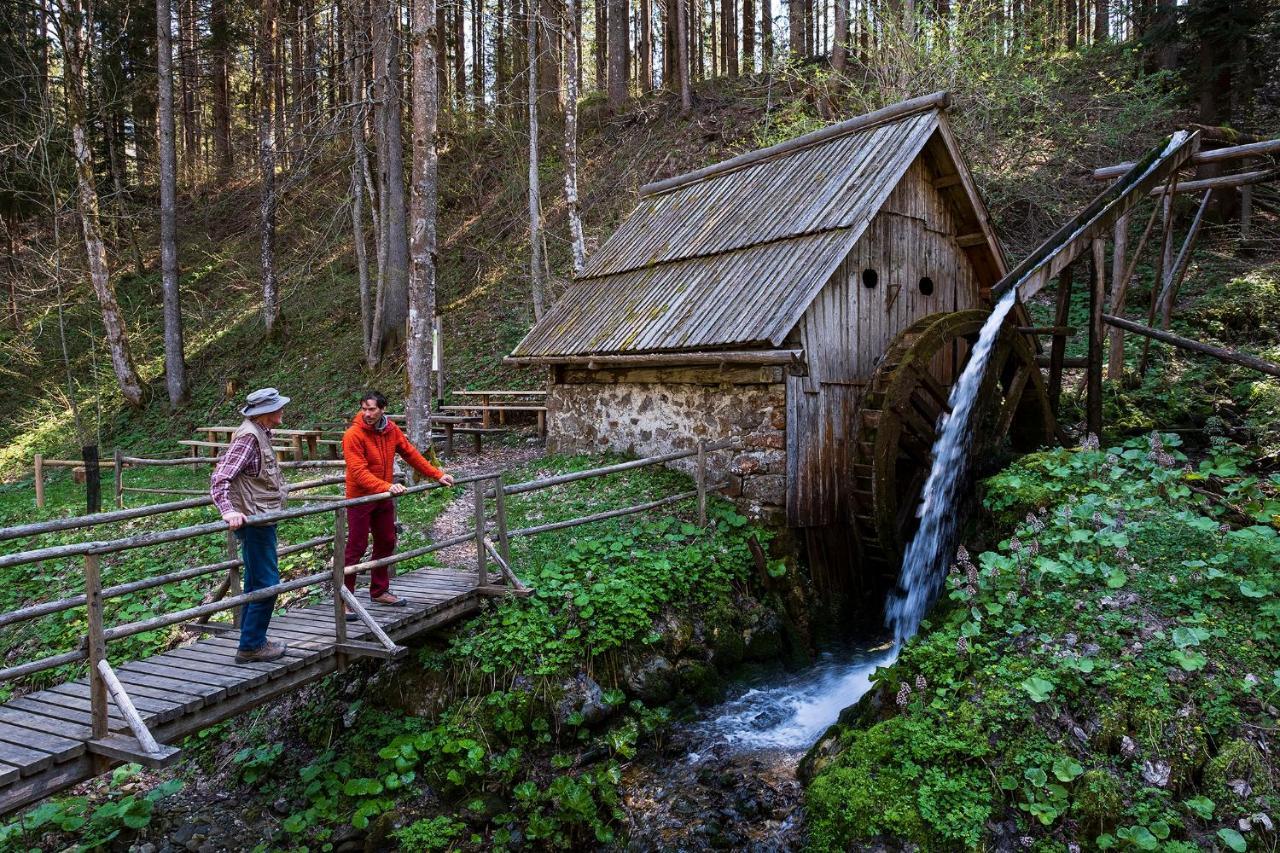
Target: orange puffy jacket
[(370, 457)]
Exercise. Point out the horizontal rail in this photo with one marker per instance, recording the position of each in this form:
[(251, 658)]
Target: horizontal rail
[(1221, 353), (1216, 155), (11, 672), (613, 513), (76, 522), (44, 609), (561, 479)]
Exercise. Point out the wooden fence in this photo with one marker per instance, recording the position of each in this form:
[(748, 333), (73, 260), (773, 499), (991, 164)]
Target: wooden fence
[(102, 680)]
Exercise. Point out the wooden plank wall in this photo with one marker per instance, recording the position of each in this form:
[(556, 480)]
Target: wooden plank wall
[(849, 326)]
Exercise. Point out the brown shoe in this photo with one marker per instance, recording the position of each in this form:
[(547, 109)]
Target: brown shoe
[(389, 600), (268, 651)]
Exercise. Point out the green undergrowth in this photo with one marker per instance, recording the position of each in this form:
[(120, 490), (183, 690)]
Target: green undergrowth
[(1107, 676), (54, 579)]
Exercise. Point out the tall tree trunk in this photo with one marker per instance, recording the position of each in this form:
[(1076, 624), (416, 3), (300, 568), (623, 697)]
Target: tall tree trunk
[(459, 60), (602, 43), (477, 59), (186, 62), (422, 282), (748, 37), (501, 79), (220, 38), (1101, 21), (682, 53), (550, 36), (77, 35), (766, 35), (394, 296), (795, 35), (1070, 21), (535, 205), (267, 164), (618, 48), (646, 46), (175, 368), (571, 139), (353, 32), (840, 50)]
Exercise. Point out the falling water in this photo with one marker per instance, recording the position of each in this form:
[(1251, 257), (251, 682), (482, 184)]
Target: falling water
[(924, 563)]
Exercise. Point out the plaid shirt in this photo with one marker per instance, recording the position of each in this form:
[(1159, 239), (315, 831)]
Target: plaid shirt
[(242, 457)]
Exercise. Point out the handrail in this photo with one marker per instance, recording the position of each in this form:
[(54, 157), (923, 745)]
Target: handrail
[(90, 550), (76, 522)]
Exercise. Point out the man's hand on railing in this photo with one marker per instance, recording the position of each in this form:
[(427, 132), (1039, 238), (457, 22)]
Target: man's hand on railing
[(234, 520), (446, 480), (397, 489)]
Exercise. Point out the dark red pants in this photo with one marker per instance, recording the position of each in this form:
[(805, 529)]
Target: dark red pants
[(380, 517)]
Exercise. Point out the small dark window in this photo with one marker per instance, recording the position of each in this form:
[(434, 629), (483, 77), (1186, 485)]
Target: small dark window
[(926, 286), (870, 278)]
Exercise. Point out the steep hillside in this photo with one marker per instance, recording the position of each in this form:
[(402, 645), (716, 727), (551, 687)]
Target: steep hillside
[(1028, 144)]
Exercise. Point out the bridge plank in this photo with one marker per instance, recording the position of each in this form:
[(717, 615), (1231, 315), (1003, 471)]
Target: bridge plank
[(240, 678), (60, 748), (37, 722), (270, 668), (160, 709), (8, 773), (63, 707), (184, 680), (168, 697), (136, 674), (27, 760)]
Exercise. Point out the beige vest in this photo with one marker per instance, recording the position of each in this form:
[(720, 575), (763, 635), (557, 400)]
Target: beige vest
[(266, 492)]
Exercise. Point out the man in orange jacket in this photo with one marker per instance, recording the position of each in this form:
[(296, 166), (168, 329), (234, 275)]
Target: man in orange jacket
[(370, 446)]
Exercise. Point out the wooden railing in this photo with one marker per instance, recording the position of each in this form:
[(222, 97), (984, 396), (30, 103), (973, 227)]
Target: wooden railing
[(102, 680)]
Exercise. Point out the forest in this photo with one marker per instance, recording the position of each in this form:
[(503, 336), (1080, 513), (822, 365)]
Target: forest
[(204, 197)]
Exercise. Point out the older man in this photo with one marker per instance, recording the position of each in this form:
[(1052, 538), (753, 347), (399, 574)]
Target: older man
[(370, 446), (247, 481)]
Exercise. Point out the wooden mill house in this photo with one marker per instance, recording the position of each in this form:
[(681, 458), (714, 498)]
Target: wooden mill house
[(752, 299)]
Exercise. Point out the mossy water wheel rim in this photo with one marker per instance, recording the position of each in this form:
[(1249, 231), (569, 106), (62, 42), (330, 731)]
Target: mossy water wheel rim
[(900, 410)]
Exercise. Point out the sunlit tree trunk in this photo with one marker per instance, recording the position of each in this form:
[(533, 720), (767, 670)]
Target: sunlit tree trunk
[(535, 207), (618, 48), (353, 36), (175, 369), (571, 138), (77, 41), (422, 245), (267, 164), (393, 298)]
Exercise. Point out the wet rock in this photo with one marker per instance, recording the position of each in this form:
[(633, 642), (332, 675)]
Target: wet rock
[(727, 647), (676, 633), (764, 641), (582, 696), (183, 834), (697, 681), (1156, 773), (769, 718), (652, 682)]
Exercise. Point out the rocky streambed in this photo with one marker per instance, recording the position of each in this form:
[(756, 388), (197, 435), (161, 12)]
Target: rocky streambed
[(727, 780)]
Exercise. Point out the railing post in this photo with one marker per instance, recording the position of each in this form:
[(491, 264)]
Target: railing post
[(339, 576), (477, 491), (38, 464), (233, 576), (500, 510), (702, 482), (97, 647), (117, 457)]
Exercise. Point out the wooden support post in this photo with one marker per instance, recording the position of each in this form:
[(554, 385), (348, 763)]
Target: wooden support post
[(37, 464), (97, 649), (1058, 349), (117, 458), (1119, 246), (296, 441), (92, 479), (1162, 263), (234, 587), (339, 579), (1094, 376), (1119, 291), (437, 344), (139, 728), (1246, 212), (500, 510), (1174, 276), (702, 482), (477, 493)]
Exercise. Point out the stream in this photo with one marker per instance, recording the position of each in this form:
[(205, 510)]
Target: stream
[(727, 780)]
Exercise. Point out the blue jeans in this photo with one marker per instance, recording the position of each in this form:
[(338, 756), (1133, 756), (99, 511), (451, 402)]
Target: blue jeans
[(261, 569)]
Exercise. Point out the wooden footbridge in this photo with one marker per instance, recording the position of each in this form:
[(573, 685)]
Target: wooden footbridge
[(66, 734)]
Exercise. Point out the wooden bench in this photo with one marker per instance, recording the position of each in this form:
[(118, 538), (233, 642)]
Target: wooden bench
[(196, 446), (492, 398), (477, 433), (501, 408)]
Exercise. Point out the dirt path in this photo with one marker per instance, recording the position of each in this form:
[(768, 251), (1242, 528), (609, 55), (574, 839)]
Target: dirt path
[(458, 516)]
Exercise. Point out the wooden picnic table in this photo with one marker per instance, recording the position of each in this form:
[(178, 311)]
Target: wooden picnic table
[(487, 403), (295, 436)]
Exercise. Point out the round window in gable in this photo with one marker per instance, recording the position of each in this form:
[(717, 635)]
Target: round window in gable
[(870, 278), (926, 286)]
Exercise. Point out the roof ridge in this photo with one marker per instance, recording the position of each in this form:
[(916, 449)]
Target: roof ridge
[(893, 112)]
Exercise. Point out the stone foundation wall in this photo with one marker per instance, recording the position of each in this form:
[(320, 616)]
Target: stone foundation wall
[(648, 419)]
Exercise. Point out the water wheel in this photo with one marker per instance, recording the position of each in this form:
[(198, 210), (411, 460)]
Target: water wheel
[(899, 413)]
